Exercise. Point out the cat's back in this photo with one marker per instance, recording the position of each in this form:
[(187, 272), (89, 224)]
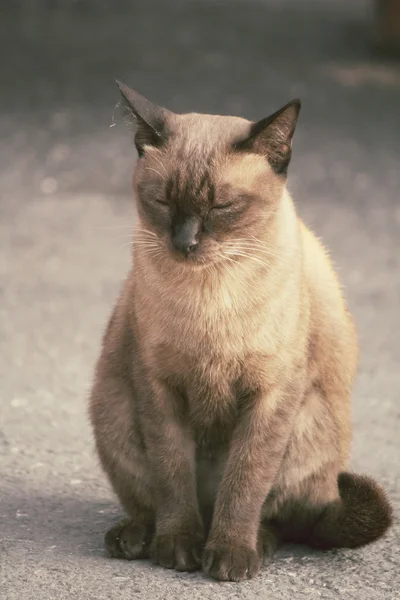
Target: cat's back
[(332, 335), (321, 278)]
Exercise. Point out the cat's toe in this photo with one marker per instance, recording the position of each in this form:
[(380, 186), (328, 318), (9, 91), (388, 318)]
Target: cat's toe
[(181, 552), (231, 564)]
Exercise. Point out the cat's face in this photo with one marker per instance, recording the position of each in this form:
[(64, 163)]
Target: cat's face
[(207, 186)]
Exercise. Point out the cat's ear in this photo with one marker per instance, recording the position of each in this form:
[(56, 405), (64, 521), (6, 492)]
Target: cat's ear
[(272, 136), (150, 119)]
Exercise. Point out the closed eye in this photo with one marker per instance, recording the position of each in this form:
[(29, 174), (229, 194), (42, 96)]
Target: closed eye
[(161, 202), (222, 206)]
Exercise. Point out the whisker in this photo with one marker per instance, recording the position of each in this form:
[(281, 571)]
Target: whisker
[(115, 227), (122, 237), (145, 239), (246, 246), (252, 238), (147, 246), (159, 162), (151, 252), (260, 247), (246, 268), (236, 263), (230, 260), (254, 243), (124, 245), (146, 231), (263, 243), (136, 238), (155, 171), (254, 249), (251, 257), (132, 230)]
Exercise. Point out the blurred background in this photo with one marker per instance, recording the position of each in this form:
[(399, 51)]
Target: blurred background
[(65, 210)]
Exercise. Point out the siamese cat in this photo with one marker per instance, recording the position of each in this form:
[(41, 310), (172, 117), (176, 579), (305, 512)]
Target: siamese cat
[(221, 400)]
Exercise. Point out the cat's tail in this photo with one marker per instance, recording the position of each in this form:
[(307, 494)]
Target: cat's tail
[(361, 515)]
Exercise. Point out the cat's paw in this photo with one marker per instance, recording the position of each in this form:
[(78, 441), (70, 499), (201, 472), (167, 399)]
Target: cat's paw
[(181, 551), (231, 563), (128, 540)]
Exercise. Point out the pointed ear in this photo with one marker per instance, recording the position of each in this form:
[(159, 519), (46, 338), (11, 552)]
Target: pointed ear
[(272, 136), (150, 119)]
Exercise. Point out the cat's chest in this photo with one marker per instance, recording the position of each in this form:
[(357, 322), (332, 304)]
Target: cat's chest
[(210, 391), (214, 332), (202, 346), (207, 383)]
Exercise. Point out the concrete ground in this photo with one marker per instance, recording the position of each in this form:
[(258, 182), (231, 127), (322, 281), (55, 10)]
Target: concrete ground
[(65, 209)]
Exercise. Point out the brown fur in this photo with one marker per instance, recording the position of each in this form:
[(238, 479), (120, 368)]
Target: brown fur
[(221, 403)]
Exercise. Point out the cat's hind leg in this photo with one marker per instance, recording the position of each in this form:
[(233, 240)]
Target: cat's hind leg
[(123, 458)]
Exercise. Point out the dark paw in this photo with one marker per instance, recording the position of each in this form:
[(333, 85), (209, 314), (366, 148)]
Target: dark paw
[(231, 563), (128, 540), (181, 551)]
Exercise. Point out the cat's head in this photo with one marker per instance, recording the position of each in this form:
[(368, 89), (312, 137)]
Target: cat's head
[(207, 186)]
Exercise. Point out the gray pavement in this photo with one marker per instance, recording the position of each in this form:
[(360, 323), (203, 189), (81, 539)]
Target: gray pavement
[(64, 208)]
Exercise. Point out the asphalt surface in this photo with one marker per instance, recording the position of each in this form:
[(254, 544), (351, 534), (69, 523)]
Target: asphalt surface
[(64, 250)]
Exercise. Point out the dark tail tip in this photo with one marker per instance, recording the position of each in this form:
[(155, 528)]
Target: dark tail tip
[(361, 516), (367, 505)]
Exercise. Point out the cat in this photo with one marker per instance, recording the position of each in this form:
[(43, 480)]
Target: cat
[(221, 399)]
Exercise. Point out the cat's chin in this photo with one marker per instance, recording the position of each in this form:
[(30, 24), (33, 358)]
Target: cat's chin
[(210, 266), (193, 261), (194, 264)]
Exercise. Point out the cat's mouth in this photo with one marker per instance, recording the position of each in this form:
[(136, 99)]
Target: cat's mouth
[(198, 255), (202, 260), (193, 259)]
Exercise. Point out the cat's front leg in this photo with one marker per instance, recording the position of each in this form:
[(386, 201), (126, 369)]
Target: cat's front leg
[(233, 549), (179, 538)]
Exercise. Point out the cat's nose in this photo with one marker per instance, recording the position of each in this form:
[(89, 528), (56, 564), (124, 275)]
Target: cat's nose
[(185, 245), (185, 236)]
